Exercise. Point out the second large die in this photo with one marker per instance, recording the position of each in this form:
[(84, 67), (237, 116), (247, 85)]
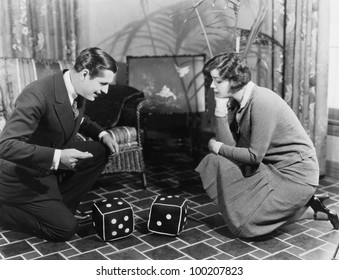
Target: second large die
[(113, 218), (168, 215)]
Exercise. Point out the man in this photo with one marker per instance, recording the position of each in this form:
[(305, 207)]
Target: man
[(44, 173)]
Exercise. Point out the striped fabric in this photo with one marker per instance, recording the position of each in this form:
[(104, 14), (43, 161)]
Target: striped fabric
[(123, 134)]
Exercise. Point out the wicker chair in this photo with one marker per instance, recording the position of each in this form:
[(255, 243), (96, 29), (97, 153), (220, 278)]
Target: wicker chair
[(118, 112)]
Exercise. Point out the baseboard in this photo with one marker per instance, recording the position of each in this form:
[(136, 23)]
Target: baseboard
[(332, 169), (333, 128), (333, 122)]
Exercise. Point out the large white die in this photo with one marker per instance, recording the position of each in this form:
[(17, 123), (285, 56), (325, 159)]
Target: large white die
[(113, 218), (168, 215)]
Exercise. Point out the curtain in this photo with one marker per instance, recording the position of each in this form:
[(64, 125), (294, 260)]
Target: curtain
[(299, 68), (306, 74), (37, 37), (38, 29)]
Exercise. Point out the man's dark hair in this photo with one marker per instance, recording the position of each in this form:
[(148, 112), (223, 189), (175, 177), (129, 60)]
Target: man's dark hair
[(232, 67), (95, 60)]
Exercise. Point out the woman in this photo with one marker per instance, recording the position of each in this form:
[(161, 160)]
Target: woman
[(263, 170)]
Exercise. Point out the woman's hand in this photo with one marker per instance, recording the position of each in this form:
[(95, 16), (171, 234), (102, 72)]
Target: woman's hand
[(220, 106), (214, 145)]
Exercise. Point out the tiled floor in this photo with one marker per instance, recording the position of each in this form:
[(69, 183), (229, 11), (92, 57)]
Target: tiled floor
[(205, 237)]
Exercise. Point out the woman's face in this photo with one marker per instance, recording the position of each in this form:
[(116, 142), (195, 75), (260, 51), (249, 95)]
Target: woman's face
[(221, 87)]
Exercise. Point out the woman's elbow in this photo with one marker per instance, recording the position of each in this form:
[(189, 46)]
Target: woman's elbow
[(255, 159)]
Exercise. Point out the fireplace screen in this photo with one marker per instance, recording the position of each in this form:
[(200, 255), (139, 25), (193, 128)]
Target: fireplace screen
[(171, 84)]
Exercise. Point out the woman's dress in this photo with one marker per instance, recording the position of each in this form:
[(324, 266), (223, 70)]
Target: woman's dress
[(270, 171)]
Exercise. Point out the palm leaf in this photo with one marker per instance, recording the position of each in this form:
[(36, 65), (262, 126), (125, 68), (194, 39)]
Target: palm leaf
[(256, 26), (232, 4)]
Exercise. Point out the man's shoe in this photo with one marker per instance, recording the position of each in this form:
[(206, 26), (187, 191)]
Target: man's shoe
[(82, 217)]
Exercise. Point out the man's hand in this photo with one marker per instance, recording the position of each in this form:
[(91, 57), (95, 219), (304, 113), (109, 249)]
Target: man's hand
[(70, 157), (110, 143)]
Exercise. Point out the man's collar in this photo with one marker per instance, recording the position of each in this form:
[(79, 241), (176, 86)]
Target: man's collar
[(70, 89)]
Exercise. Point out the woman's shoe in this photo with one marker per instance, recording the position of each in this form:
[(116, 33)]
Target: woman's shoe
[(316, 204), (323, 196)]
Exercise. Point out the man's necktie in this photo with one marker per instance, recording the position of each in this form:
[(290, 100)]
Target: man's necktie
[(75, 108)]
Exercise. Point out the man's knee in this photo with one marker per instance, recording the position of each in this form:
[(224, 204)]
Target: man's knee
[(99, 152), (98, 159), (96, 148), (63, 231), (70, 229)]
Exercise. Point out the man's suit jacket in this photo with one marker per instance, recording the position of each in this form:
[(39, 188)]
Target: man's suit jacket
[(41, 122)]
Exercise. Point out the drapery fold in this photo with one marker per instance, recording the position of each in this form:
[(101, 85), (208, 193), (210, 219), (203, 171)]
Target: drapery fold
[(39, 29), (308, 82), (299, 70), (35, 36)]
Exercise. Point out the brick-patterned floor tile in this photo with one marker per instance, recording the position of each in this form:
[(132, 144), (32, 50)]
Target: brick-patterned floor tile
[(305, 242), (87, 243), (16, 248), (55, 257), (282, 256), (93, 255), (317, 254), (31, 255), (47, 248), (128, 254), (200, 251), (271, 245), (164, 253), (193, 235), (236, 248)]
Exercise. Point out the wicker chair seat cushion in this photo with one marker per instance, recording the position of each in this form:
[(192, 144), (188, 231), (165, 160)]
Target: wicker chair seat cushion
[(123, 134)]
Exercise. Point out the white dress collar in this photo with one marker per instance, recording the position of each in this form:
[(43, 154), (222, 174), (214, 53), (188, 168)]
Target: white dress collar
[(247, 94)]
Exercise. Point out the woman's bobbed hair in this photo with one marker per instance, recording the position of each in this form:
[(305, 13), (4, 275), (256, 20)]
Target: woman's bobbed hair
[(232, 67)]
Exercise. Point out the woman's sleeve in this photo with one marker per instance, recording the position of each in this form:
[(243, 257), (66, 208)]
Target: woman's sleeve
[(222, 131), (263, 116)]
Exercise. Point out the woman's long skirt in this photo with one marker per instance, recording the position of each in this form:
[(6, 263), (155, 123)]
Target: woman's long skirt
[(260, 203)]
